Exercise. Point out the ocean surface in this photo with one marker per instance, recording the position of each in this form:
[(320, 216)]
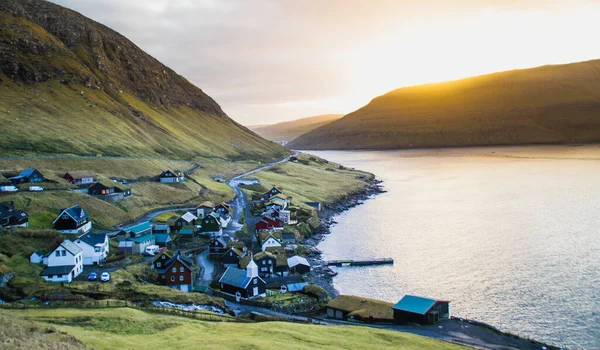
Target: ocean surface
[(511, 236)]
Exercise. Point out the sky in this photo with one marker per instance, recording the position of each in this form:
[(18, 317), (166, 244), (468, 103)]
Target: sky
[(270, 61)]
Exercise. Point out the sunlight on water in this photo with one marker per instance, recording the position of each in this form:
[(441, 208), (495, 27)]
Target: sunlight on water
[(513, 242)]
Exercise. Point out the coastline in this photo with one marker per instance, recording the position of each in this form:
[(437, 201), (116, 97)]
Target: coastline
[(322, 275)]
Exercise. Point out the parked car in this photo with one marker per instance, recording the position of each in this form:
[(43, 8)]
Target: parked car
[(8, 189), (123, 181), (105, 277), (92, 276), (151, 250), (35, 189)]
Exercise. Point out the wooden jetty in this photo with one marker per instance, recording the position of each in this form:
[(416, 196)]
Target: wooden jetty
[(362, 262)]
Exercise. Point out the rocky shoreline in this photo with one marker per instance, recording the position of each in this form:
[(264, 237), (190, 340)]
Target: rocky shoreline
[(322, 275)]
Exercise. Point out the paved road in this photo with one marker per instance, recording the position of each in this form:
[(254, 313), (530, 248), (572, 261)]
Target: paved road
[(208, 269), (240, 199)]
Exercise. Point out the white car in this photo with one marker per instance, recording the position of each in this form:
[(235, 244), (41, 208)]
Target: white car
[(105, 277), (8, 189), (35, 189)]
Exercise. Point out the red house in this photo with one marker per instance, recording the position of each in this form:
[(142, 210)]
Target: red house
[(178, 273), (269, 224)]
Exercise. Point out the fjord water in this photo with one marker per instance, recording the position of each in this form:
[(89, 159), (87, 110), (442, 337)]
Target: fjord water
[(511, 236)]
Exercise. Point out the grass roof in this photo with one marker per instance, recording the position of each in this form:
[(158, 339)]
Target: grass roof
[(363, 308)]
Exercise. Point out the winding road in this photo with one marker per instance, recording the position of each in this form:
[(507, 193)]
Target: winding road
[(238, 204)]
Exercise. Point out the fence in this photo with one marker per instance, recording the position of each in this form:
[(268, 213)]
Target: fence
[(105, 304)]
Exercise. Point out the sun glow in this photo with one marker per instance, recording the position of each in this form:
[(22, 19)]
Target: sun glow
[(492, 40)]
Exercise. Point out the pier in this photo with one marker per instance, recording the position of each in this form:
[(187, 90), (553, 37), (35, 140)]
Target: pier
[(362, 262)]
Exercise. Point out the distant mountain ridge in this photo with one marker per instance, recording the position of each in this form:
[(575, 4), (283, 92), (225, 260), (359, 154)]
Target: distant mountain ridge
[(548, 104), (76, 85), (288, 131)]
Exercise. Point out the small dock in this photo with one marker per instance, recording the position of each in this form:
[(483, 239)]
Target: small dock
[(361, 262)]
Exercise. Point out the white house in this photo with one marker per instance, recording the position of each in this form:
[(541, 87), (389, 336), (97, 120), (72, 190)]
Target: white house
[(270, 241), (37, 257), (95, 247), (64, 263), (285, 216), (204, 209)]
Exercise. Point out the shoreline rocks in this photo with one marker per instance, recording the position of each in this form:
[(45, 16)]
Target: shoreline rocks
[(321, 274)]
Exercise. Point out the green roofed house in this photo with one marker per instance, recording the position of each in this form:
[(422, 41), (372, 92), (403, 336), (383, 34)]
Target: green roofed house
[(141, 243), (425, 311), (187, 231)]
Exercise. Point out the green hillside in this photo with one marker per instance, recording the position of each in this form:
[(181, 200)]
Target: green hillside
[(288, 131), (71, 85), (549, 104), (133, 329)]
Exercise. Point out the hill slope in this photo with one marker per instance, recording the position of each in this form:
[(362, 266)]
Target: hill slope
[(288, 131), (549, 104), (71, 85)]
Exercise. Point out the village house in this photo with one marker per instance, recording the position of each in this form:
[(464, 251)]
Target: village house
[(37, 257), (94, 247), (273, 205), (141, 229), (269, 224), (108, 193), (73, 220), (161, 229), (187, 219), (298, 265), (243, 284), (218, 245), (163, 240), (160, 259), (425, 311), (270, 265), (65, 263), (211, 225), (178, 273), (273, 191), (232, 256), (187, 232), (27, 176), (269, 239), (288, 237), (10, 217), (223, 209), (169, 176), (204, 209), (140, 235), (281, 199), (126, 247), (359, 308), (80, 177)]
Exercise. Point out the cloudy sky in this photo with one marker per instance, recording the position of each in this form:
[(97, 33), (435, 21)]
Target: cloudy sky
[(268, 61)]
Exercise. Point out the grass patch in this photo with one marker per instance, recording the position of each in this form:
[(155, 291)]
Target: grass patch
[(189, 333)]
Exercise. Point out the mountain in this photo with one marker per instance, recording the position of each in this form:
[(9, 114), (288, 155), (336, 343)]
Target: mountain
[(549, 104), (288, 131), (72, 85)]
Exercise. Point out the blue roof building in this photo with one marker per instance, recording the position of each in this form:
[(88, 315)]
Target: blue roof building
[(414, 309)]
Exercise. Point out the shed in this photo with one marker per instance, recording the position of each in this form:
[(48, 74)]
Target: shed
[(370, 310), (414, 309), (298, 265), (126, 247), (163, 240)]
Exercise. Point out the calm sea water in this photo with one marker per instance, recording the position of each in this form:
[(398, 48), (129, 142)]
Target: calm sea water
[(511, 241)]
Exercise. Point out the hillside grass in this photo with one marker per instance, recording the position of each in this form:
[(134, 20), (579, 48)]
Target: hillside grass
[(20, 333), (128, 329), (313, 181), (549, 104), (148, 194)]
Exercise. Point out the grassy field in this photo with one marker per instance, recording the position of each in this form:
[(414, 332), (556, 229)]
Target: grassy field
[(549, 104), (129, 329), (312, 181), (288, 131)]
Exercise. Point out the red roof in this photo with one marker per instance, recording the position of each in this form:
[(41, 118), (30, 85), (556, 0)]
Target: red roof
[(267, 223)]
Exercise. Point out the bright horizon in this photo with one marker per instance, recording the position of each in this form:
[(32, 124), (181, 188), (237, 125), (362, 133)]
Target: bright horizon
[(268, 62)]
